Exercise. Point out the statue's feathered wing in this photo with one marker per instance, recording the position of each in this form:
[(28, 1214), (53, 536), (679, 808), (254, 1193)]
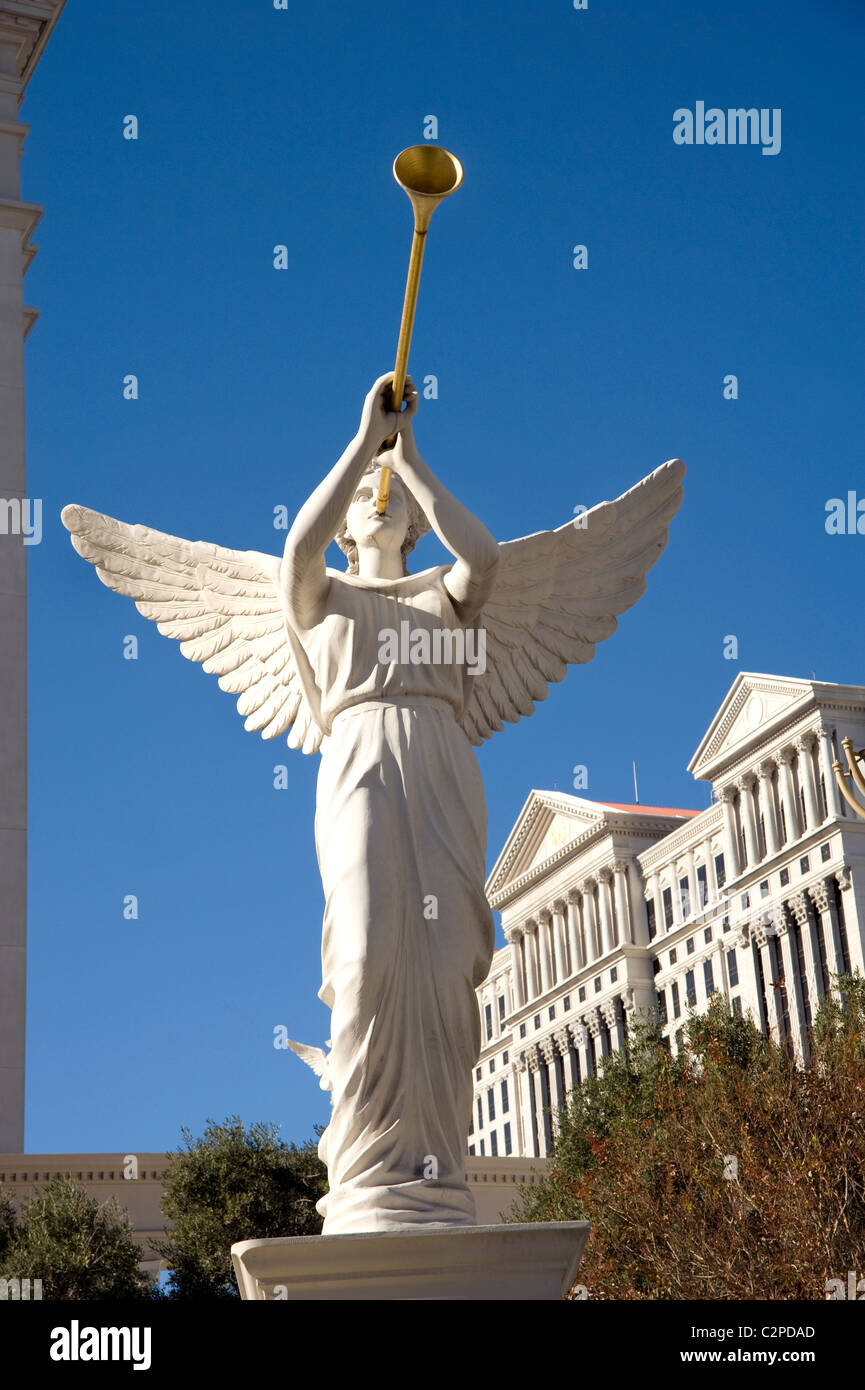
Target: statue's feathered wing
[(222, 605), (557, 593)]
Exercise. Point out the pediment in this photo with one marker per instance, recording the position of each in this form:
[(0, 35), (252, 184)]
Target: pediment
[(755, 705), (547, 824)]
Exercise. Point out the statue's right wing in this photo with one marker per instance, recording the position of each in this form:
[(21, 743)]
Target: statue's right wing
[(222, 605)]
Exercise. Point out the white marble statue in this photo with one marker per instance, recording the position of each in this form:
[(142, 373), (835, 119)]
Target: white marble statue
[(400, 823)]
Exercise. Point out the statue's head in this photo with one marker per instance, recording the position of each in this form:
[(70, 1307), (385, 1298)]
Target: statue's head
[(398, 530)]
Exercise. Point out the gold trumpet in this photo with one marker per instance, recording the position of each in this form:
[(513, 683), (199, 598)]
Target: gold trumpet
[(854, 775), (428, 174)]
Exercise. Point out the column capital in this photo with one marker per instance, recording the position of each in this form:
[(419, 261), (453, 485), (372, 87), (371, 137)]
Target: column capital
[(575, 895), (746, 781), (798, 905), (548, 1049), (588, 884), (766, 769), (821, 730), (530, 927), (520, 1063), (726, 795), (784, 757), (842, 877), (620, 866), (805, 740), (514, 934), (559, 905), (605, 874), (819, 893), (545, 916)]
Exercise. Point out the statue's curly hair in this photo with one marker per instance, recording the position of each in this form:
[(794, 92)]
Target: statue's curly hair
[(417, 527)]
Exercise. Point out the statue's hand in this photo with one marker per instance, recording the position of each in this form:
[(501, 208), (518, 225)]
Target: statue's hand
[(378, 422)]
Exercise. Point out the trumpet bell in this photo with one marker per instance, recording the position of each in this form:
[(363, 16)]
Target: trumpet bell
[(428, 174)]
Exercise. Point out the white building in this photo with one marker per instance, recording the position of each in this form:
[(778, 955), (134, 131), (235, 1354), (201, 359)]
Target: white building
[(611, 911)]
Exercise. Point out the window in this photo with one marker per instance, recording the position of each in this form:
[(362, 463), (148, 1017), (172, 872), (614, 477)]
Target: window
[(471, 1150), (689, 945), (674, 996), (746, 899), (707, 934), (667, 896), (488, 1015), (662, 1008), (720, 871), (471, 1124), (732, 967), (685, 897), (522, 1030), (614, 974), (505, 1058), (736, 1005), (501, 1008), (764, 888), (804, 864), (552, 1011), (825, 852), (702, 886), (491, 1103), (494, 1144), (650, 914), (483, 1151), (477, 1073), (690, 988), (784, 877), (656, 966), (708, 977), (508, 1146), (537, 1020), (566, 1002), (673, 956), (480, 1113), (725, 925), (506, 1105), (598, 985), (492, 1064), (581, 994)]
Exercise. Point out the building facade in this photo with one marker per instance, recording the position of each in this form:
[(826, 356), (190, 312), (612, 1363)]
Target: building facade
[(612, 911)]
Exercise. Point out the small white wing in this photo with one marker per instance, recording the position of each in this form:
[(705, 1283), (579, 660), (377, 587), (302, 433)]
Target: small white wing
[(557, 593), (314, 1057), (223, 606)]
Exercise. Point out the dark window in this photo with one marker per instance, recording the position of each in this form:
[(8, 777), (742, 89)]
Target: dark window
[(674, 996), (736, 1005), (784, 877), (504, 1058), (725, 925), (667, 896), (501, 1008), (471, 1124), (746, 899), (488, 1014), (732, 967), (480, 1113), (685, 897), (673, 956), (506, 1105), (491, 1103), (764, 888), (483, 1150), (537, 1020), (492, 1064), (581, 994), (566, 1002), (508, 1147), (689, 945), (650, 913), (656, 967), (522, 1030), (494, 1145), (720, 871), (708, 977), (662, 1008), (690, 988), (477, 1073), (707, 934), (804, 864), (598, 985), (614, 974), (552, 1011), (702, 886), (471, 1150), (825, 852)]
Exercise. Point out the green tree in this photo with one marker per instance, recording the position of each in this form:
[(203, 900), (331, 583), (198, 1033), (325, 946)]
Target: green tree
[(230, 1185), (79, 1248), (725, 1172)]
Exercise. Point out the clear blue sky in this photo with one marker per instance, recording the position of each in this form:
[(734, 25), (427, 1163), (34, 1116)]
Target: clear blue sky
[(558, 387)]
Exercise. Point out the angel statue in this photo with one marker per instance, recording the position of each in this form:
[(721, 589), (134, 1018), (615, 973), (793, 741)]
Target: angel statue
[(400, 822)]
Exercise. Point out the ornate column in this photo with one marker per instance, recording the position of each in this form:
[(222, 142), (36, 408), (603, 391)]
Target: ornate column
[(813, 815), (819, 895), (535, 1064), (770, 977), (605, 876), (795, 1001), (590, 923), (620, 889), (575, 930), (833, 804), (560, 944), (563, 1042), (593, 1023), (800, 907), (544, 952), (522, 1107), (749, 825), (549, 1053), (583, 1044), (514, 936), (789, 799), (613, 1017), (731, 848), (767, 808), (530, 943)]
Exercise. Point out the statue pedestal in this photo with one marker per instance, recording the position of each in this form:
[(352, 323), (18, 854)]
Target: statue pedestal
[(523, 1262)]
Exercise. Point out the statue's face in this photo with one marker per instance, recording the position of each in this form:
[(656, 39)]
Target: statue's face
[(385, 532)]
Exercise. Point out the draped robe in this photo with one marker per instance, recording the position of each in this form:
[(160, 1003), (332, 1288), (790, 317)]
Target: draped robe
[(400, 833)]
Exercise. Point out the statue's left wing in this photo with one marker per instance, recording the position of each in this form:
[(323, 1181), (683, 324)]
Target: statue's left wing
[(222, 605), (558, 593)]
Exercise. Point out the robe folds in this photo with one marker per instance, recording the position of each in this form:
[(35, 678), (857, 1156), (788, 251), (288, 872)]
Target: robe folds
[(400, 834)]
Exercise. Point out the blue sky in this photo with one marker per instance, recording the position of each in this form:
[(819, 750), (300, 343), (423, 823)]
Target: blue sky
[(557, 388)]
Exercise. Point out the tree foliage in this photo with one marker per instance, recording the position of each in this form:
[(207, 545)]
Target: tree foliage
[(79, 1248), (725, 1172), (231, 1185)]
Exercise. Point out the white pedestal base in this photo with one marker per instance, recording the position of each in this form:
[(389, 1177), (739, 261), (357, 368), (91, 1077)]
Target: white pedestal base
[(529, 1262)]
